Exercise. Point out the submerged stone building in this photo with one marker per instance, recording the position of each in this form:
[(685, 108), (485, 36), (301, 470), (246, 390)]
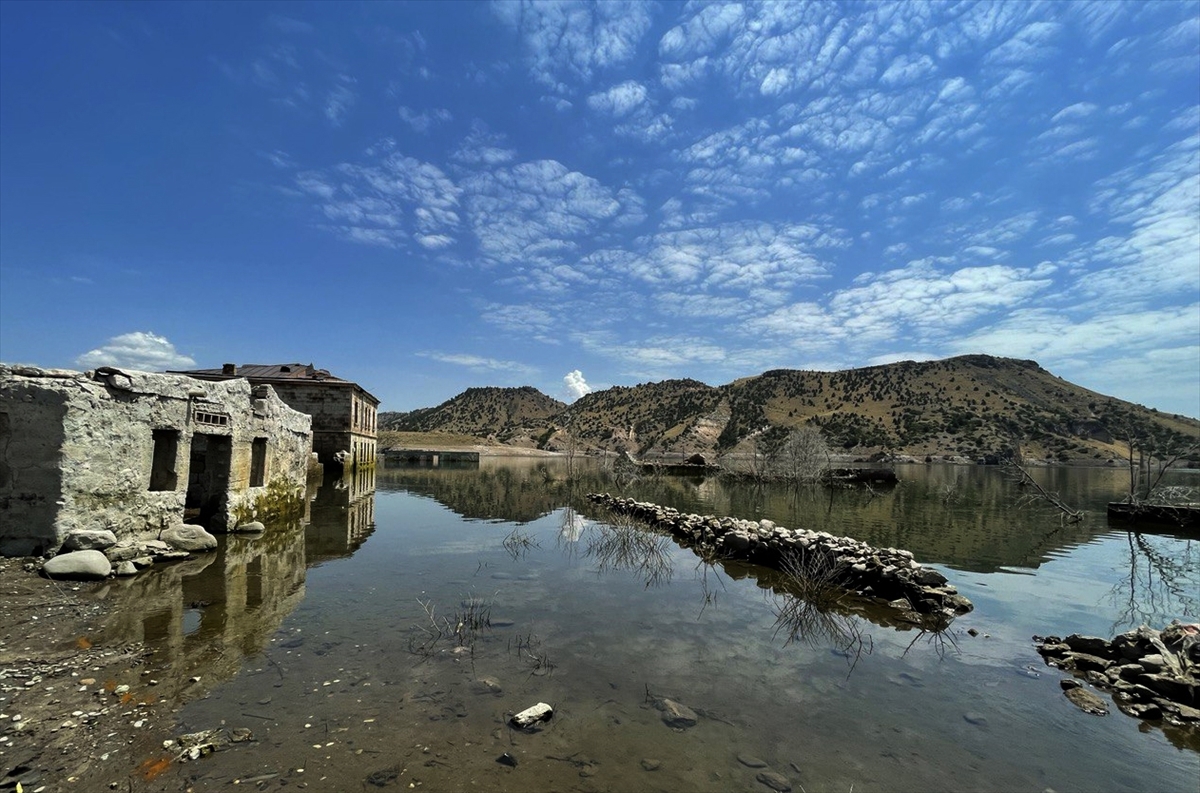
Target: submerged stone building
[(344, 413), (135, 452)]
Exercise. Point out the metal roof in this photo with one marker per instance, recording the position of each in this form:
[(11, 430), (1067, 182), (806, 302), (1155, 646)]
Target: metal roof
[(287, 372), (275, 371)]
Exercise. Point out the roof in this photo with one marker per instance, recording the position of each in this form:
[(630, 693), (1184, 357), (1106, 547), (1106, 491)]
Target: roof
[(275, 371), (283, 372)]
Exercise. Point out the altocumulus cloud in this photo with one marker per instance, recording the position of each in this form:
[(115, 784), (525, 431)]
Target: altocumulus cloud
[(576, 385), (138, 350)]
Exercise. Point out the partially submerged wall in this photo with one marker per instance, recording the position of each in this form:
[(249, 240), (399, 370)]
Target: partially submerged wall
[(130, 451)]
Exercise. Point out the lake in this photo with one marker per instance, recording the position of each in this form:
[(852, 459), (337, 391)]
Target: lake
[(386, 643)]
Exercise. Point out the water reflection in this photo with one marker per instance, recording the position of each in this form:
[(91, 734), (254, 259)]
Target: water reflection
[(767, 671), (624, 545), (967, 517), (1161, 578), (203, 615), (343, 516)]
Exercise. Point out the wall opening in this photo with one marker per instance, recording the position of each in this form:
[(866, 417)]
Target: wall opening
[(258, 462), (208, 480), (162, 465)]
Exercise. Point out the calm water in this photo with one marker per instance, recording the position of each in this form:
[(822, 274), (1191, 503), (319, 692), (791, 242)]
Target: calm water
[(335, 642)]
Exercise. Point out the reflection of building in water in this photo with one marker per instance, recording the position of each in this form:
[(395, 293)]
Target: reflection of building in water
[(204, 614), (343, 516)]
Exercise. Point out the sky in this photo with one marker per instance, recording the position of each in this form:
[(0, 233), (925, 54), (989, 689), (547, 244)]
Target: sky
[(424, 197)]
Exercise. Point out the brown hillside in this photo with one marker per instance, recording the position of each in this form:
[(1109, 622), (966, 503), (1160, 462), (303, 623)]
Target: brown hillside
[(972, 406), (503, 414)]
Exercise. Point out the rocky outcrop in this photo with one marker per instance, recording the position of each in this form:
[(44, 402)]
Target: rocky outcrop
[(886, 574), (1150, 674)]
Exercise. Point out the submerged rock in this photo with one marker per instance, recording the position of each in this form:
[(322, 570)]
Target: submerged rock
[(1152, 674), (777, 782), (1086, 701), (676, 715), (531, 716)]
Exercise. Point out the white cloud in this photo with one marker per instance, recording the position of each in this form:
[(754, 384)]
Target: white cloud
[(537, 212), (620, 100), (479, 363), (138, 350), (576, 385), (339, 100), (425, 120), (575, 39)]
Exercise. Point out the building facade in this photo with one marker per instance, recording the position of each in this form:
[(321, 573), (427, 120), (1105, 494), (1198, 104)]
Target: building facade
[(135, 452), (344, 414)]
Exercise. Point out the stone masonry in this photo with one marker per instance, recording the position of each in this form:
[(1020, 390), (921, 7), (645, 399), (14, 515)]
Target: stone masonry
[(135, 453)]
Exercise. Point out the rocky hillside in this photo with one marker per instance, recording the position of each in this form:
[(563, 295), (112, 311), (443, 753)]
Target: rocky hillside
[(501, 415), (973, 406)]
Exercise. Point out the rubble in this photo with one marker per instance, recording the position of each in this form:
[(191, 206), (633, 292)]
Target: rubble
[(888, 574), (1151, 674)]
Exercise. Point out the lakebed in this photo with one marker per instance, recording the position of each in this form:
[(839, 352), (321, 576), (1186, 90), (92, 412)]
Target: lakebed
[(339, 647)]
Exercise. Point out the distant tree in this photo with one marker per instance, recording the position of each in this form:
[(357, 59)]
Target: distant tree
[(1153, 450), (803, 456)]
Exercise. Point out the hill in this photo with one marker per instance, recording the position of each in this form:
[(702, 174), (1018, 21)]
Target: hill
[(972, 406), (503, 415)]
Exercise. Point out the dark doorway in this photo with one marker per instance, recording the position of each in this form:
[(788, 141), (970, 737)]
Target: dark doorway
[(208, 480)]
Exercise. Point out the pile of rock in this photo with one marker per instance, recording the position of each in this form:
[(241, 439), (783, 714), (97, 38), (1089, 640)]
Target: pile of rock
[(1151, 674), (90, 554), (886, 574)]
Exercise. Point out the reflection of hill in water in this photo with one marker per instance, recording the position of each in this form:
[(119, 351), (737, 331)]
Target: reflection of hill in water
[(968, 517), (520, 491)]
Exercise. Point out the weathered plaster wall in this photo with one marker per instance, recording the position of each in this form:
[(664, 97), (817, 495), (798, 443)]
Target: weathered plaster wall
[(78, 451), (289, 444), (30, 477)]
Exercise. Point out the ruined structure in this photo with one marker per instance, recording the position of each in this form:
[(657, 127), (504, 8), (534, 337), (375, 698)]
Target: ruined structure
[(134, 452), (343, 412)]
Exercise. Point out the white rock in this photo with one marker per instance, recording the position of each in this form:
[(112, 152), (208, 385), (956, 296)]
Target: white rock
[(531, 716)]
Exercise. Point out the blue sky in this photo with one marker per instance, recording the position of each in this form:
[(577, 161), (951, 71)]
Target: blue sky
[(426, 197)]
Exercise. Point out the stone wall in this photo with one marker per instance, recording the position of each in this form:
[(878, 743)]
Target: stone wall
[(342, 421), (78, 451), (889, 576)]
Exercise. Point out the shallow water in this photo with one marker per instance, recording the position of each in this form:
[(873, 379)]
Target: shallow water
[(335, 643)]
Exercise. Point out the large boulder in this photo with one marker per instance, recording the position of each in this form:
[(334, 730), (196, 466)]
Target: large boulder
[(89, 540), (79, 565), (188, 537)]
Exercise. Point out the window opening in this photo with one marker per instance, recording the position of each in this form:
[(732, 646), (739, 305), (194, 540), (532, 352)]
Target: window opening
[(162, 465), (258, 462)]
